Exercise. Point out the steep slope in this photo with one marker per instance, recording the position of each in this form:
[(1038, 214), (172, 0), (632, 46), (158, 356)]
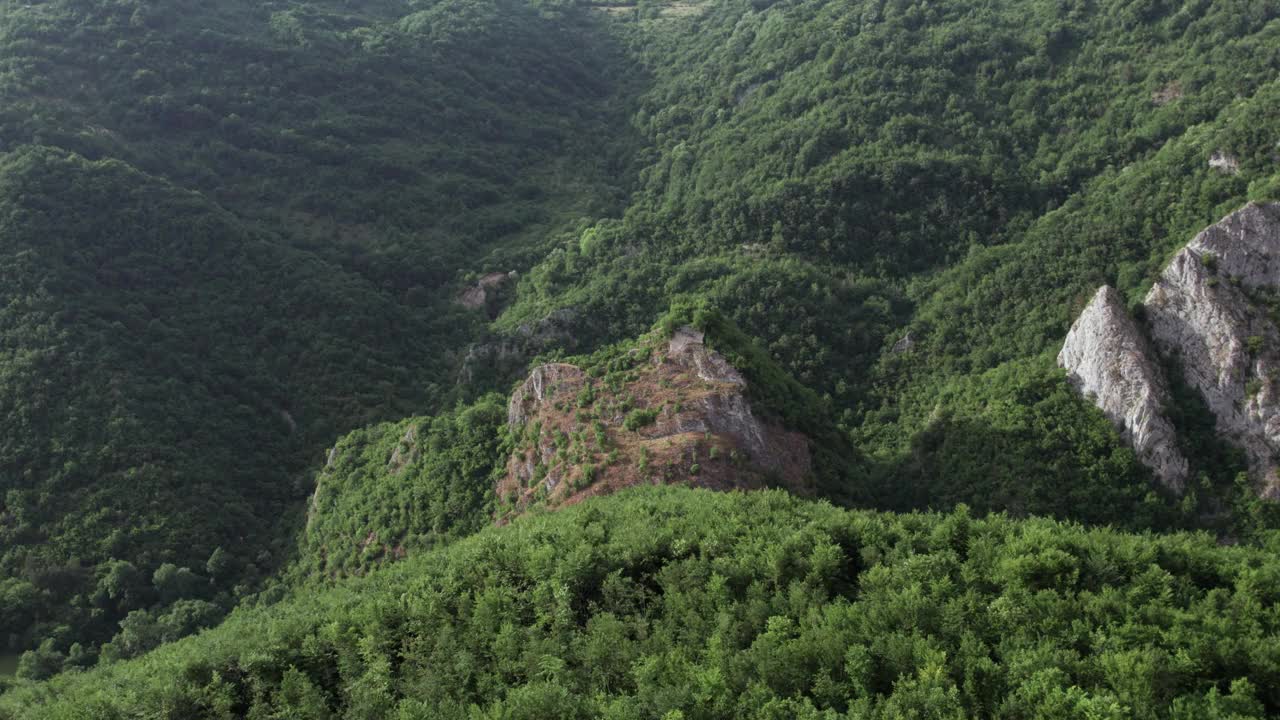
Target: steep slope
[(811, 153), (231, 232), (841, 176), (1201, 312), (167, 370), (1108, 358), (1212, 317), (665, 408), (237, 230)]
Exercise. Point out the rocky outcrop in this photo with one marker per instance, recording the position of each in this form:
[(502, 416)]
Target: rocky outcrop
[(477, 296), (546, 381), (1224, 162), (503, 356), (1211, 313), (1208, 310), (687, 349), (1243, 248), (313, 505), (668, 410), (1108, 359), (904, 344), (405, 452)]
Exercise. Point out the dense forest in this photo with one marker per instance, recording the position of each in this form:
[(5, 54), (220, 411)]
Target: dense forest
[(231, 232), (242, 376), (676, 603)]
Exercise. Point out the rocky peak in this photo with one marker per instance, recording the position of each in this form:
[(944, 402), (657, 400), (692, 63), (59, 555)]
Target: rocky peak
[(1209, 308), (669, 410), (687, 349), (544, 382), (1212, 309), (1108, 359)]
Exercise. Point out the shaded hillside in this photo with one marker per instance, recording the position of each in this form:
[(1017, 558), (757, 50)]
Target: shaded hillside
[(379, 122), (230, 232)]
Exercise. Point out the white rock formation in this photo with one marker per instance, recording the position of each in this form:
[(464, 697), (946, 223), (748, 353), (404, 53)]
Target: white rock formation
[(687, 349), (1110, 361), (544, 382), (1201, 311), (1224, 162), (1244, 247)]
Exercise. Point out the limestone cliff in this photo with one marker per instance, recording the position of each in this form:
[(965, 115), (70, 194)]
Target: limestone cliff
[(1211, 313), (1209, 309), (1109, 360), (667, 411)]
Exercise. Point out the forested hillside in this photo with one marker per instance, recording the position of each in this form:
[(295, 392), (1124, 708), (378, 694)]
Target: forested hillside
[(232, 231), (670, 603), (271, 271), (909, 203)]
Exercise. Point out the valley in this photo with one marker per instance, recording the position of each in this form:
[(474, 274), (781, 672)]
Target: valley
[(717, 359)]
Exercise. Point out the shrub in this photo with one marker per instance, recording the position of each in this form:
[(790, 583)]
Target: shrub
[(637, 419)]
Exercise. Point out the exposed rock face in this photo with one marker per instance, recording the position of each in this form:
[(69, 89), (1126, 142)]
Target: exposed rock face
[(1205, 310), (1108, 359), (405, 452), (904, 344), (508, 354), (668, 411), (1212, 310), (687, 349), (1224, 163), (1244, 246), (476, 297), (544, 382), (313, 505)]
